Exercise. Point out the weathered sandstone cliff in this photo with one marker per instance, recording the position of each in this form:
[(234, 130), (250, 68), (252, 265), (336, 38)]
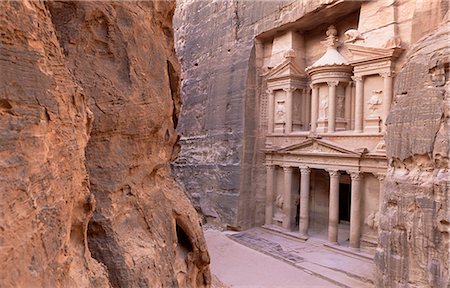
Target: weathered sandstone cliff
[(221, 160), (414, 236), (87, 198)]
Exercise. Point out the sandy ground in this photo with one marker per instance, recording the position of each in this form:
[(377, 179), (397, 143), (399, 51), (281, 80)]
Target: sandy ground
[(238, 266)]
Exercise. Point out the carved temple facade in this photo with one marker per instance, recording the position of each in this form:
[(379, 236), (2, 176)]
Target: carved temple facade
[(324, 147)]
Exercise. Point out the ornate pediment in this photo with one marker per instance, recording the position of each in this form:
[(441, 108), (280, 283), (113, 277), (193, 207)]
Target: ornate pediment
[(318, 146), (288, 68), (362, 53)]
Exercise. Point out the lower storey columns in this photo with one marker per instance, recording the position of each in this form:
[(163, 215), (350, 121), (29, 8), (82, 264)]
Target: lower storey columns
[(288, 209), (334, 206), (304, 200), (355, 212), (270, 169)]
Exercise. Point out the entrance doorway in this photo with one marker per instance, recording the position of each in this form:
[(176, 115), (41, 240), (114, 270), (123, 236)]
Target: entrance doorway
[(344, 203)]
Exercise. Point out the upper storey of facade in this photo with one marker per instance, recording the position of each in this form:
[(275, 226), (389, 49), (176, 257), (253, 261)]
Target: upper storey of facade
[(332, 77)]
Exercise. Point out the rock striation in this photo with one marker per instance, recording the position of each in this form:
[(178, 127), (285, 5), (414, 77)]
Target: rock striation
[(414, 230), (89, 102)]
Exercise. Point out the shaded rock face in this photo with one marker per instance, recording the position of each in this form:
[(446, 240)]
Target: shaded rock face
[(92, 202), (221, 163), (45, 202), (414, 231)]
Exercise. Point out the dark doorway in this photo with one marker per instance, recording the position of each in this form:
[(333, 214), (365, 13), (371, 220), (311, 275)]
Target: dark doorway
[(344, 202)]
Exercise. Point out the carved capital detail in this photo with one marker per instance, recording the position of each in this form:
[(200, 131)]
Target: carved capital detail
[(287, 169), (304, 170), (355, 175), (334, 173), (270, 167), (269, 91), (357, 78), (333, 83), (387, 74), (313, 86), (290, 89), (380, 176)]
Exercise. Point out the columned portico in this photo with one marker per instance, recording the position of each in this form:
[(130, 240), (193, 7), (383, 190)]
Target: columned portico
[(288, 197), (270, 110), (355, 212), (387, 96), (289, 95), (380, 178), (333, 210), (270, 170), (348, 105), (332, 105), (359, 103), (304, 200), (314, 106)]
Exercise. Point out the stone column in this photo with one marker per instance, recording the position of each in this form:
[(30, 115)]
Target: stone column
[(270, 171), (348, 105), (288, 197), (314, 106), (304, 200), (332, 105), (271, 111), (333, 211), (289, 96), (387, 96), (355, 212), (380, 178), (359, 104)]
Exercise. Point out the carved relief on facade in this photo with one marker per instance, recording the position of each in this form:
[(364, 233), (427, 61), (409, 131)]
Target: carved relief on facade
[(374, 102), (280, 112), (373, 220), (340, 104), (352, 35), (323, 108)]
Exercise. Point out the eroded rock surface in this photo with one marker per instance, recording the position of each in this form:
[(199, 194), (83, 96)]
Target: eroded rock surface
[(45, 203), (414, 235), (117, 58)]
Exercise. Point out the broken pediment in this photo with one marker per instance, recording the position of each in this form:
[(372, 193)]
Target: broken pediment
[(318, 146), (288, 68), (362, 53)]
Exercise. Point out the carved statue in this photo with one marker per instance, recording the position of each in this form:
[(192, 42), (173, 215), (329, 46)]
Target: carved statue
[(374, 101), (280, 111), (279, 201), (352, 35), (394, 42), (373, 220), (323, 111)]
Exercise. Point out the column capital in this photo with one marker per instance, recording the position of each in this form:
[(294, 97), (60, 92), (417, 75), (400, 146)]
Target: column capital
[(304, 170), (289, 89), (380, 176), (270, 166), (357, 78), (355, 175), (334, 173), (287, 168), (387, 74), (269, 91), (313, 86), (332, 83)]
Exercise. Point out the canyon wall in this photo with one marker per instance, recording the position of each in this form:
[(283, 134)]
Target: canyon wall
[(414, 229), (89, 102), (221, 163)]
